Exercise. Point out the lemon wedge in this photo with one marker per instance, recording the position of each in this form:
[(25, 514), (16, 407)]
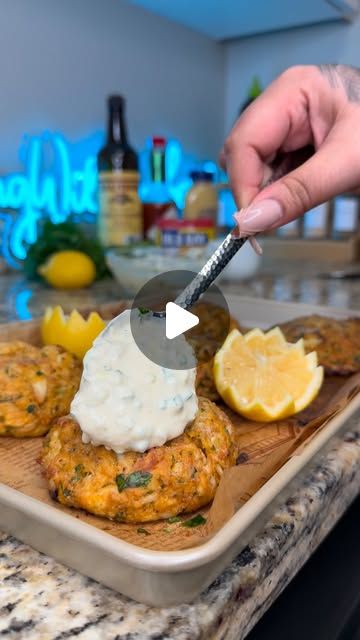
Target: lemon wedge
[(68, 270), (263, 377), (72, 332)]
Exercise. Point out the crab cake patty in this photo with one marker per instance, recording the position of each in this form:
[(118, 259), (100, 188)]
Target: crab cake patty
[(179, 477), (36, 386), (205, 383), (337, 342), (214, 323), (206, 338)]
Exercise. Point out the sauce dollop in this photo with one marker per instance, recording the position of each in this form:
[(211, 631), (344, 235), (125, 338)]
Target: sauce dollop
[(126, 402)]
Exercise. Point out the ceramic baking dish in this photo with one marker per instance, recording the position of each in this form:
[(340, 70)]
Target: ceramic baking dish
[(163, 578)]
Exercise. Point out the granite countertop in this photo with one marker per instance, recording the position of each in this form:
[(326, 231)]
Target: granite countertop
[(283, 281), (40, 598)]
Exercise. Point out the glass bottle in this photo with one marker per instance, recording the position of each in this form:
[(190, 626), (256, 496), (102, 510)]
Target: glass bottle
[(120, 209), (157, 200)]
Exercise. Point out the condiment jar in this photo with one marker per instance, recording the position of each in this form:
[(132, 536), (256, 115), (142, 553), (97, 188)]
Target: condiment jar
[(182, 236), (202, 198)]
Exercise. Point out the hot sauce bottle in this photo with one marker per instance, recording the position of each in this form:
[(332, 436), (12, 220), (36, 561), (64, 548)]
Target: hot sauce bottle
[(157, 201)]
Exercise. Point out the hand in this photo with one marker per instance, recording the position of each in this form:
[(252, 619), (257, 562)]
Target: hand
[(311, 111)]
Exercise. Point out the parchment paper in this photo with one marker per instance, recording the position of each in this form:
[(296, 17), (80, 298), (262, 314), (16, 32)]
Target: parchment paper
[(261, 450)]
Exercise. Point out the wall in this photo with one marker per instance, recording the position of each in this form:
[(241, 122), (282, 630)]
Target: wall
[(60, 58), (268, 55)]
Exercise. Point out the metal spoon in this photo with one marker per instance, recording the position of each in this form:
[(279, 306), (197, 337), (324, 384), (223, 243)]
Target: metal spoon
[(282, 164), (213, 267)]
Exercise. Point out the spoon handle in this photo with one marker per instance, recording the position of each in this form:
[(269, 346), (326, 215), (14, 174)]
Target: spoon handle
[(216, 263)]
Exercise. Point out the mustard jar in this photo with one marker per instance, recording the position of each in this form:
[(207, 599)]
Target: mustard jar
[(202, 198)]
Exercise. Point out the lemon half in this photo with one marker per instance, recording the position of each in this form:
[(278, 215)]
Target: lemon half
[(263, 377)]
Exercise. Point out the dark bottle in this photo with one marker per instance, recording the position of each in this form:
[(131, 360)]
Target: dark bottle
[(120, 210), (157, 200)]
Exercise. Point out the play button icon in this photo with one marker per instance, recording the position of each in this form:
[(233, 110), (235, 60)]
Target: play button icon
[(178, 320), (165, 338)]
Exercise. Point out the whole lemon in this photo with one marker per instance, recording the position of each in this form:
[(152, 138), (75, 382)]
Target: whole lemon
[(68, 270)]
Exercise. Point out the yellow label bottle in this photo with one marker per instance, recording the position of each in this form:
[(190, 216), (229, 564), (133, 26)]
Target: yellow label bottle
[(120, 209)]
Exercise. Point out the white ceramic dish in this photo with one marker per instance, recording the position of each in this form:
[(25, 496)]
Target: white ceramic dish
[(134, 272), (166, 578)]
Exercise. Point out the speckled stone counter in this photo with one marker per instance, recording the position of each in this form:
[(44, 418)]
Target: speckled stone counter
[(20, 299), (40, 598)]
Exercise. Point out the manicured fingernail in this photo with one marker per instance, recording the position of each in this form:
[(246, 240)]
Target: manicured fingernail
[(255, 245), (259, 217)]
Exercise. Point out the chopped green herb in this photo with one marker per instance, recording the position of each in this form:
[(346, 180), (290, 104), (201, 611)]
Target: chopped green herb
[(80, 472), (66, 492), (143, 311), (31, 408), (174, 519), (138, 479), (145, 532), (121, 482), (135, 250), (119, 517), (133, 480), (9, 428), (166, 529), (196, 521), (39, 373)]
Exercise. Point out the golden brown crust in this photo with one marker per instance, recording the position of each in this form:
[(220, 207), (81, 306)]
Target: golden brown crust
[(179, 477), (214, 322), (337, 342), (36, 386), (206, 338), (205, 383)]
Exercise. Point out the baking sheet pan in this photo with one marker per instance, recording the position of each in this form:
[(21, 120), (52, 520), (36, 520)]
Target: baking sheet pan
[(164, 578)]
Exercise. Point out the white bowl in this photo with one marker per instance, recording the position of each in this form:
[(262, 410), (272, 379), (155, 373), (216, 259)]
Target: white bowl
[(242, 266), (134, 270)]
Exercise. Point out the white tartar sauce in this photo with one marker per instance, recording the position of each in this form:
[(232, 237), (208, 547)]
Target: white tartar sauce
[(126, 402)]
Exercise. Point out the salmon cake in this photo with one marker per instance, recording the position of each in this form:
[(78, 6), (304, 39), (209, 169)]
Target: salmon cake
[(337, 342), (214, 322), (37, 385), (179, 477), (206, 339)]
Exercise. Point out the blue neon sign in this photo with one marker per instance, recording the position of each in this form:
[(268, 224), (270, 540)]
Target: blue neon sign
[(36, 192), (56, 188)]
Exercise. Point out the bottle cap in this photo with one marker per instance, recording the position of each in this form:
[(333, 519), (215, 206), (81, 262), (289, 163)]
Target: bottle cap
[(158, 141), (116, 101), (201, 176)]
